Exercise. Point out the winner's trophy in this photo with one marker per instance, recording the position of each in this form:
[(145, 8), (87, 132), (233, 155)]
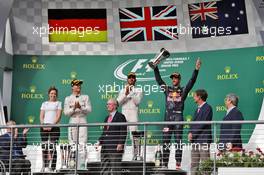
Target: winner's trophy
[(158, 58), (65, 155), (137, 137), (48, 150)]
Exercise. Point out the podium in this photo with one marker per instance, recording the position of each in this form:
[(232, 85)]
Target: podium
[(128, 168), (134, 168), (63, 172)]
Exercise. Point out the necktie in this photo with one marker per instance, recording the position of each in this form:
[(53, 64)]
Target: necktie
[(198, 110), (109, 120)]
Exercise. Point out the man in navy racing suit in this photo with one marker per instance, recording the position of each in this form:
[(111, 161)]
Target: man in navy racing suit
[(175, 96)]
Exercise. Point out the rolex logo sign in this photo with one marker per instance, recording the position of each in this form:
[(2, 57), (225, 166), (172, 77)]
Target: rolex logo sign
[(228, 75), (220, 108), (31, 119), (33, 89), (150, 104), (34, 64), (150, 108), (149, 134), (67, 81), (34, 59), (260, 89), (32, 94), (190, 94), (227, 69), (73, 75), (188, 119), (110, 92), (259, 58)]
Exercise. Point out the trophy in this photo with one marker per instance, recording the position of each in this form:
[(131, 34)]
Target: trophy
[(48, 150), (65, 155), (137, 136), (158, 58), (72, 159)]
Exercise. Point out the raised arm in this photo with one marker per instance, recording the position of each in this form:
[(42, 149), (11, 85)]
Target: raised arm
[(192, 81), (158, 77), (23, 138)]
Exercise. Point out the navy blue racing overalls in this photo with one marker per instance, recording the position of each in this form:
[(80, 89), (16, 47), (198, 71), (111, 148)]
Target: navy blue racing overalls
[(174, 106)]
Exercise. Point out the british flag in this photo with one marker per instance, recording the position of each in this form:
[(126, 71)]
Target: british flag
[(203, 10), (148, 23), (218, 18)]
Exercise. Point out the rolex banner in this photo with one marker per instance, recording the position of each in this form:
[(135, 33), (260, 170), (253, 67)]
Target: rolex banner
[(238, 70)]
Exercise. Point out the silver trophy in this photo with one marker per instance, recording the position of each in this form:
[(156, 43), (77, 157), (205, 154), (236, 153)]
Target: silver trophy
[(137, 137), (65, 155), (72, 159), (48, 150), (158, 58)]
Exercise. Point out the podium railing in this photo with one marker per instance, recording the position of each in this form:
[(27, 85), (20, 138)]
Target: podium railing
[(251, 135)]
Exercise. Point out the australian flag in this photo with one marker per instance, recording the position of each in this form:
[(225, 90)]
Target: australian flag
[(148, 23), (218, 18)]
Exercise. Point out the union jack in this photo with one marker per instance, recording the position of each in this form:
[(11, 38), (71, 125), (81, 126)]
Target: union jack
[(148, 23), (203, 10)]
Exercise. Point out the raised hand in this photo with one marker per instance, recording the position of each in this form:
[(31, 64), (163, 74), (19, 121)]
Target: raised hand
[(198, 64)]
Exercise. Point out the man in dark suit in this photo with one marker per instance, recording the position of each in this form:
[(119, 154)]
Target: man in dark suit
[(19, 163), (112, 141), (200, 135), (230, 133)]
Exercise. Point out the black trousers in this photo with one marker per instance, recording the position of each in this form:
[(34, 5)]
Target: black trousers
[(111, 163), (177, 131), (20, 166), (53, 136)]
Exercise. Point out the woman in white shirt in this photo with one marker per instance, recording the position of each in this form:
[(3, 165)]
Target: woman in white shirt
[(50, 113)]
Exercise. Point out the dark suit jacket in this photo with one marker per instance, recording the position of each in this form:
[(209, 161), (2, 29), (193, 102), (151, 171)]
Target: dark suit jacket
[(114, 135), (17, 153), (202, 133), (230, 133)]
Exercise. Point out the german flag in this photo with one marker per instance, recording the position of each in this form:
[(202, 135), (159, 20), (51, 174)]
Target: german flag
[(77, 25)]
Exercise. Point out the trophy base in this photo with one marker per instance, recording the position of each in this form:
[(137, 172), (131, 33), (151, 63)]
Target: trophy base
[(47, 170), (152, 65), (64, 167), (137, 158)]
